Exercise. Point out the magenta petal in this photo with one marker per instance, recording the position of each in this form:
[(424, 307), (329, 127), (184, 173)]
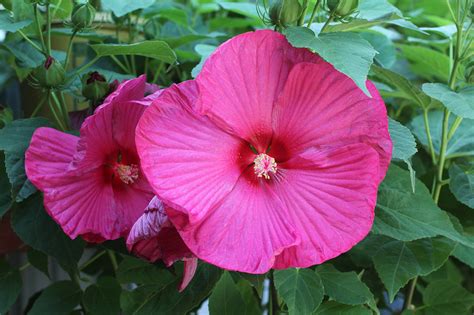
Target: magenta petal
[(329, 196), (319, 106), (244, 232), (191, 164), (133, 89), (190, 266), (242, 79)]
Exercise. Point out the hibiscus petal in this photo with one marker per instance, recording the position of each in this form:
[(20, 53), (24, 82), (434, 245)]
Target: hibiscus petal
[(244, 232), (320, 106), (329, 196), (241, 80), (191, 164), (133, 89), (190, 266)]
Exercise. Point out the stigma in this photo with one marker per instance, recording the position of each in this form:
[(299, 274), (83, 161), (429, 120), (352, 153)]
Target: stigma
[(264, 165), (127, 173)]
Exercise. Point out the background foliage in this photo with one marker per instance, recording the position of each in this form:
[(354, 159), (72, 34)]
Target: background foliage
[(419, 257)]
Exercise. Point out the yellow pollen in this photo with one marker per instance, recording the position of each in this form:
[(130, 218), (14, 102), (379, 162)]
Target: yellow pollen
[(127, 173), (263, 165)]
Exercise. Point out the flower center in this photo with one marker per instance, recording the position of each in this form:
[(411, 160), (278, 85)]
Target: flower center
[(127, 173), (263, 165)]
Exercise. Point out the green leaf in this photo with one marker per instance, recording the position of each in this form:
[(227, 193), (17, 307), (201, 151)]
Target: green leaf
[(242, 8), (9, 25), (407, 216), (465, 254), (10, 286), (347, 52), (461, 144), (103, 297), (427, 63), (122, 7), (155, 49), (134, 270), (447, 298), (404, 144), (35, 227), (39, 260), (61, 9), (460, 103), (226, 298), (301, 289), (204, 51), (461, 182), (387, 54), (401, 84), (334, 308), (59, 298), (344, 287), (5, 195), (448, 271), (251, 300)]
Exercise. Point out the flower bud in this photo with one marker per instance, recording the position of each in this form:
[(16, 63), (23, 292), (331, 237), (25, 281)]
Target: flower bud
[(82, 16), (285, 12), (94, 87), (50, 74), (152, 28), (343, 8)]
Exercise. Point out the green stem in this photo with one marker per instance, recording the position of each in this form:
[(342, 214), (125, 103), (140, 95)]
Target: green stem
[(62, 109), (120, 64), (87, 65), (428, 133), (48, 29), (38, 107), (454, 127), (303, 14), (113, 259), (442, 155), (38, 26), (32, 43), (331, 17), (24, 267), (313, 14), (90, 261), (53, 111), (409, 303), (69, 49)]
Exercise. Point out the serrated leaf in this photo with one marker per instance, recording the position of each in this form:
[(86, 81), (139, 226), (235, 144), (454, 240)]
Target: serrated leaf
[(344, 287), (347, 52), (334, 308), (461, 182), (36, 229), (59, 298), (122, 7), (407, 216), (404, 144), (446, 298), (155, 49), (461, 144), (301, 289), (226, 298), (460, 103), (103, 298), (10, 286)]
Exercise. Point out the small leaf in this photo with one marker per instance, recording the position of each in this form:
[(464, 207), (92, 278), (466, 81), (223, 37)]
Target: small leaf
[(344, 287), (103, 297), (9, 25), (301, 289), (122, 7), (404, 144), (460, 103), (347, 52), (226, 298), (10, 286), (461, 182), (447, 298), (155, 49), (59, 298)]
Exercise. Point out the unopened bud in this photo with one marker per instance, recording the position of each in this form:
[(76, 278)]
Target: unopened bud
[(50, 74), (82, 16), (94, 87), (343, 8), (285, 12)]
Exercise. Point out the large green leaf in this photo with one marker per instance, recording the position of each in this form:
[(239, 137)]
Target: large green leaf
[(226, 298), (344, 287), (134, 270), (406, 216), (204, 51), (59, 298), (334, 308), (387, 54), (461, 182), (301, 289), (461, 144), (5, 195), (347, 52), (242, 8), (35, 227), (122, 7), (39, 260), (103, 297), (408, 89), (9, 25), (460, 103), (10, 286), (61, 9), (397, 262), (404, 144), (447, 298), (155, 49)]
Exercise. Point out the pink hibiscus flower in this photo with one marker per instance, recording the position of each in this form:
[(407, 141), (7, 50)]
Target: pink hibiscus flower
[(153, 237), (271, 160), (93, 185)]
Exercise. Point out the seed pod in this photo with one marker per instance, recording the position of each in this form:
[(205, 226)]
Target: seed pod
[(342, 8), (82, 16), (50, 74), (94, 87), (285, 12)]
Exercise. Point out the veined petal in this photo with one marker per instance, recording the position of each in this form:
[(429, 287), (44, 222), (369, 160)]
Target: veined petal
[(329, 196), (242, 79), (319, 106), (191, 164)]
